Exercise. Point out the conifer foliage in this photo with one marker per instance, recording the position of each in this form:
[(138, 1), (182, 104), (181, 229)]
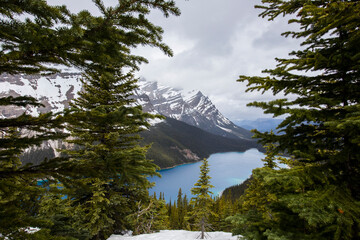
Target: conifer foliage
[(26, 46), (111, 167), (86, 194), (178, 212), (202, 201), (150, 216), (318, 196)]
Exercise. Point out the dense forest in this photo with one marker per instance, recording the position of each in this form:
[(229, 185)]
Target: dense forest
[(101, 186), (200, 212)]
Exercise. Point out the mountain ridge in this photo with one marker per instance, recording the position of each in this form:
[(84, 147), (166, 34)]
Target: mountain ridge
[(194, 127), (56, 91), (192, 107), (178, 143)]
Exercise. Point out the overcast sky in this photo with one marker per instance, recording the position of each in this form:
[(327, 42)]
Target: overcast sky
[(214, 41)]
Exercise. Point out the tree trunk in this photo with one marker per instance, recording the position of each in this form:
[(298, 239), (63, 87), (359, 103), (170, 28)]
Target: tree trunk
[(202, 225)]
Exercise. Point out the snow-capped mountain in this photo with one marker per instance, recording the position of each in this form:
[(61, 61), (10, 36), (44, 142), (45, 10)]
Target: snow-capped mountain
[(173, 140), (193, 108), (56, 91)]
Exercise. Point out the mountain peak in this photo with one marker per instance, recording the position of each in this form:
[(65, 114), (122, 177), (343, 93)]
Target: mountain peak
[(56, 91), (193, 108), (199, 93)]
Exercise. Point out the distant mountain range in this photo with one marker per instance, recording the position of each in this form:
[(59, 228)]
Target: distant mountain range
[(194, 127), (261, 124)]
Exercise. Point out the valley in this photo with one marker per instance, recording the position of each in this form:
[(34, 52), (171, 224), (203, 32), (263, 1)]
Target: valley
[(193, 129)]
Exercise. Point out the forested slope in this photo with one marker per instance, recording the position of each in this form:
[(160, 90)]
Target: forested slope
[(175, 142)]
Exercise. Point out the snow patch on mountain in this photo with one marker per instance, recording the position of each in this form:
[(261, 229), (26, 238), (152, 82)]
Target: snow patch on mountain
[(56, 91), (191, 107), (53, 91)]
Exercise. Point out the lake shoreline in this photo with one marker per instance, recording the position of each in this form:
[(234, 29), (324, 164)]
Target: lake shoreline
[(177, 165), (226, 169)]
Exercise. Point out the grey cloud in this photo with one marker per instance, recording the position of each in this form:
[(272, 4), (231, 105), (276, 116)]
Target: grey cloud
[(211, 22), (272, 38), (214, 41)]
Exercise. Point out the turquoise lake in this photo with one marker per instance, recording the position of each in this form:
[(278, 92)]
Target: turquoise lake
[(226, 169)]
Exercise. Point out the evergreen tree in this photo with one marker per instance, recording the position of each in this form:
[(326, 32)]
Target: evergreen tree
[(110, 181), (101, 47), (318, 196), (236, 191), (173, 215), (255, 214), (186, 208), (111, 167), (180, 204), (22, 51), (160, 216), (150, 217), (29, 39), (202, 201), (225, 209)]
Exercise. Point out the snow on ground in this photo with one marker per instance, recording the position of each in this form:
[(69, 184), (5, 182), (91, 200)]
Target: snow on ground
[(176, 235)]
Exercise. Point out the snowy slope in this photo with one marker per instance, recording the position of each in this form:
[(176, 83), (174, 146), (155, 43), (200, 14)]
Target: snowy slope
[(176, 235), (193, 108), (53, 91), (56, 91)]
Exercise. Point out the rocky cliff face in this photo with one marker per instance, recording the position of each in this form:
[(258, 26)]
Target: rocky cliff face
[(193, 108), (193, 130), (56, 91)]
